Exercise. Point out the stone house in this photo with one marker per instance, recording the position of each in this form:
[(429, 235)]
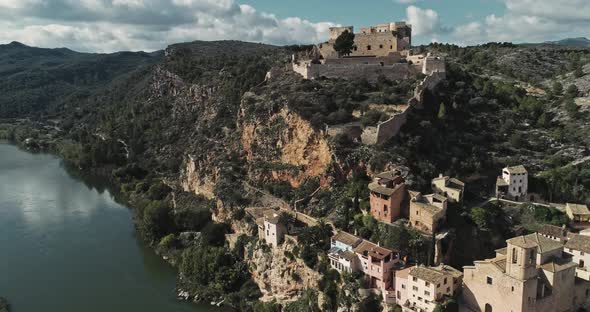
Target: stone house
[(577, 212), (419, 288), (273, 231), (341, 255), (530, 274), (377, 263), (553, 232), (427, 212), (513, 184), (451, 188), (578, 246), (388, 193)]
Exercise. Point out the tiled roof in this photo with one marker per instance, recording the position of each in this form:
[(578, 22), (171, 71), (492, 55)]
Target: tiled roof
[(558, 264), (451, 182), (542, 243), (457, 182), (372, 250), (502, 251), (552, 230), (516, 169), (348, 255), (438, 197), (434, 274), (389, 175), (500, 263), (578, 209), (346, 238), (271, 216), (579, 242), (419, 200), (375, 187)]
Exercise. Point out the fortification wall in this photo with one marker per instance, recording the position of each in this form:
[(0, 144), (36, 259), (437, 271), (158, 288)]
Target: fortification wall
[(391, 59), (371, 72), (391, 127)]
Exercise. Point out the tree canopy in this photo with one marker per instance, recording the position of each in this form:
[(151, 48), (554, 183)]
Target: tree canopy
[(344, 43)]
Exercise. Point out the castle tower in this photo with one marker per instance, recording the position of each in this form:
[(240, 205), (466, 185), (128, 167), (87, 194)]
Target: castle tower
[(521, 258)]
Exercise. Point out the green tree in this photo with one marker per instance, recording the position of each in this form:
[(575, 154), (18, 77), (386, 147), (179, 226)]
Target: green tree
[(480, 216), (572, 91), (579, 72), (571, 107), (557, 88), (344, 43)]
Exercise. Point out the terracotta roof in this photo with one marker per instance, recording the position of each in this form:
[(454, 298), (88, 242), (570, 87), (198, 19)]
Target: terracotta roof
[(403, 273), (579, 242), (542, 243), (516, 169), (419, 200), (451, 182), (348, 255), (558, 264), (375, 187), (552, 230), (578, 209), (372, 250), (346, 238)]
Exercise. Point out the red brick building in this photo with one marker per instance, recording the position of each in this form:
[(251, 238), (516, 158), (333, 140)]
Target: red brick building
[(388, 196)]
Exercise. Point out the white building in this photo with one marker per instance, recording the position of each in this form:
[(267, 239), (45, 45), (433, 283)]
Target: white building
[(274, 231), (419, 288), (513, 184), (341, 254), (578, 246)]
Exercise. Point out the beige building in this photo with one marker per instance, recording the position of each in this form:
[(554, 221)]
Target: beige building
[(427, 212), (578, 246), (530, 274), (577, 212), (273, 232), (376, 41), (513, 184), (419, 288), (451, 188)]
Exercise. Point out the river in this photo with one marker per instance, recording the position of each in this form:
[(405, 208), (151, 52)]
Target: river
[(69, 247)]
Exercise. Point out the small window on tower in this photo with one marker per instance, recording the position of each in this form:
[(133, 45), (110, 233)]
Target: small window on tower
[(369, 48), (489, 280), (380, 46)]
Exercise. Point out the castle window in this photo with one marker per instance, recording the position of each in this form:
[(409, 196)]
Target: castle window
[(426, 284), (415, 279), (380, 46), (391, 47), (354, 48), (369, 48), (532, 256), (512, 288), (514, 256), (489, 280)]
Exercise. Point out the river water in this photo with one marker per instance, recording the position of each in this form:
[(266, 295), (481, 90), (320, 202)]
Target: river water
[(66, 246)]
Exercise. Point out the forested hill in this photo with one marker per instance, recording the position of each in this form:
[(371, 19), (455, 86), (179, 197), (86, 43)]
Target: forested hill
[(33, 80)]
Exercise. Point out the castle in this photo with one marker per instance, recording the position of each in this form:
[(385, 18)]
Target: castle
[(381, 51)]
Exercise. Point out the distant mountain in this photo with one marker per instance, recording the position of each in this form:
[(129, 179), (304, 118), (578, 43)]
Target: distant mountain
[(33, 79), (572, 42)]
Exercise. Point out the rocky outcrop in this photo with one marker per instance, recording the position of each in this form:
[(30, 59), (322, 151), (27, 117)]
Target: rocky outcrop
[(283, 143), (279, 276), (194, 180)]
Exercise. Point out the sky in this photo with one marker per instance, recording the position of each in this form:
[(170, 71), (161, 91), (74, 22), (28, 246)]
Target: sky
[(149, 25)]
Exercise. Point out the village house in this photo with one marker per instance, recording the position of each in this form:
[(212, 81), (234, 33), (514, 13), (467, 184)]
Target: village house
[(530, 274), (341, 255), (377, 263), (557, 233), (388, 192), (427, 212), (578, 246), (513, 184), (451, 188), (420, 288), (577, 212)]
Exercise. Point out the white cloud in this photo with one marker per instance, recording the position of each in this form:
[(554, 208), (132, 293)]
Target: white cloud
[(112, 25), (423, 21), (529, 21)]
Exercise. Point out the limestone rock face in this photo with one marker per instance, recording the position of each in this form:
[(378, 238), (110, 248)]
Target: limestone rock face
[(282, 146), (279, 277)]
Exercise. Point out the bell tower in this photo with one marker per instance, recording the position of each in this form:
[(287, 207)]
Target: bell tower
[(521, 258)]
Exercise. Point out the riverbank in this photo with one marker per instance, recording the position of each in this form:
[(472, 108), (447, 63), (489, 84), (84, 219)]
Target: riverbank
[(162, 214)]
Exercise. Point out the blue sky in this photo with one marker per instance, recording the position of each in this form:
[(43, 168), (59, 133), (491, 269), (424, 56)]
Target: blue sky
[(148, 25)]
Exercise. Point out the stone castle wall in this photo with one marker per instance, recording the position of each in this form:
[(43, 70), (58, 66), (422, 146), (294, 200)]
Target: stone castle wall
[(391, 127), (371, 72)]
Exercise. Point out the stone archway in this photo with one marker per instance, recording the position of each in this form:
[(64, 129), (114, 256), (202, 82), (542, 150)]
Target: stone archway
[(488, 308)]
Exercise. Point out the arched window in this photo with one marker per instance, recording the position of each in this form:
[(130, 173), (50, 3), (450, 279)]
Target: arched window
[(488, 308)]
